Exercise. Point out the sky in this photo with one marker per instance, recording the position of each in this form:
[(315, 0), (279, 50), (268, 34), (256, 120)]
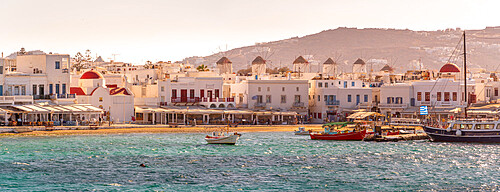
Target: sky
[(170, 30)]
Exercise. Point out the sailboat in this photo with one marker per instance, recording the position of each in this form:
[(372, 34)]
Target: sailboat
[(466, 130)]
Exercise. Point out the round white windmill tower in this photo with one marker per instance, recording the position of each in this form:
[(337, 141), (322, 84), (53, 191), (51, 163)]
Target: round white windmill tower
[(225, 66), (258, 66), (330, 68)]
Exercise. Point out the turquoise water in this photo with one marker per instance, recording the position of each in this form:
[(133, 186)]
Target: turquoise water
[(260, 161)]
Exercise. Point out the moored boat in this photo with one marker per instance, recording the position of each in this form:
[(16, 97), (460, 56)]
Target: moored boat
[(339, 131), (223, 139), (466, 131), (302, 131)]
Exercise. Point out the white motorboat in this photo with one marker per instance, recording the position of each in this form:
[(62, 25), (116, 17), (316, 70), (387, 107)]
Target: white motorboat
[(221, 138)]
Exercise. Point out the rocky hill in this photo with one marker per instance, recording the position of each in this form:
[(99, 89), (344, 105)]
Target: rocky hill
[(402, 49)]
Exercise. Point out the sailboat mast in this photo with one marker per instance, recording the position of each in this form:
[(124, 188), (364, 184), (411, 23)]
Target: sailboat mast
[(465, 78)]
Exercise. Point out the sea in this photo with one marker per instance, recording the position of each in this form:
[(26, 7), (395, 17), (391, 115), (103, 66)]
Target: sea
[(263, 161)]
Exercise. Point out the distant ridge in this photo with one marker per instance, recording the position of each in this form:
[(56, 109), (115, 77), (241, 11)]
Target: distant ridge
[(402, 49)]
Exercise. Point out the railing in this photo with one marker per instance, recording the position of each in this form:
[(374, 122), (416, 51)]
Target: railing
[(198, 99), (393, 105), (16, 98), (298, 104), (42, 97), (260, 105), (58, 96), (425, 103), (334, 102)]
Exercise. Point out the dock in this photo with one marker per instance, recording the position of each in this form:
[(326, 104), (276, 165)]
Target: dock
[(394, 138)]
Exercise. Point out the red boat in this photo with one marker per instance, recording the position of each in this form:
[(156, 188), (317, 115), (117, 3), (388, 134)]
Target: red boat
[(333, 132)]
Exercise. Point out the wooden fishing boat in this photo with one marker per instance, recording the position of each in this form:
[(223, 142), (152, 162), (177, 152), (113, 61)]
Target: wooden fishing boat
[(338, 131)]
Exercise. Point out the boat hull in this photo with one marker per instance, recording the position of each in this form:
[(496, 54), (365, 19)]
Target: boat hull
[(354, 136), (228, 140), (471, 136), (302, 133)]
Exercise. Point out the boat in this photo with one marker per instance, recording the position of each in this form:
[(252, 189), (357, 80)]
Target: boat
[(466, 129), (340, 131), (223, 137), (302, 131)]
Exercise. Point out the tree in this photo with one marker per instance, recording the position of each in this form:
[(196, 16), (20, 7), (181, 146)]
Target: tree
[(244, 72), (82, 60), (202, 68)]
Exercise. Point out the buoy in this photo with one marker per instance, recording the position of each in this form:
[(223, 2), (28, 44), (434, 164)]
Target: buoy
[(459, 133)]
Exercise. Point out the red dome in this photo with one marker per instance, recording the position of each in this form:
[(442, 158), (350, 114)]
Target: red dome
[(449, 68), (92, 75)]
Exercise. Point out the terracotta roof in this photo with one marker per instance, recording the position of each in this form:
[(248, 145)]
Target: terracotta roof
[(449, 68), (329, 61), (300, 59), (258, 60), (359, 61), (223, 60), (76, 91), (92, 75), (387, 68), (118, 91)]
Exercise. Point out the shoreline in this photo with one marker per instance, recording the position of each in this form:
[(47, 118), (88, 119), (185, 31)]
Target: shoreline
[(162, 129)]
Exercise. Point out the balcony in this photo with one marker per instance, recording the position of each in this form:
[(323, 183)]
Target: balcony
[(43, 97), (364, 105), (199, 99), (333, 103), (298, 104), (58, 96), (260, 105), (394, 105)]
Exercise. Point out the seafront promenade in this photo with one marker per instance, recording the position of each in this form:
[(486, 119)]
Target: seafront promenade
[(134, 128)]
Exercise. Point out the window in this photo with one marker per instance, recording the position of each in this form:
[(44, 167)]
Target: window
[(454, 96), (325, 97), (349, 98), (427, 96), (41, 90), (353, 84), (191, 93), (283, 89), (268, 88), (216, 93), (419, 96), (319, 97), (389, 100), (1, 69), (162, 88), (63, 88), (297, 99), (297, 88), (283, 98), (259, 98), (23, 90), (268, 98), (320, 84), (58, 64), (439, 96), (34, 89), (202, 93), (446, 96), (100, 99), (174, 93), (241, 97), (162, 99), (258, 89), (57, 88), (50, 89), (326, 85), (496, 91), (365, 98)]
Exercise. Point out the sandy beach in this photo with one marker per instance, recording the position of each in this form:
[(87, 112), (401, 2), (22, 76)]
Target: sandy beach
[(122, 129)]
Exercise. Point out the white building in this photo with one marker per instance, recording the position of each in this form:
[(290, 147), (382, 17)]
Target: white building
[(117, 102), (272, 94), (332, 98)]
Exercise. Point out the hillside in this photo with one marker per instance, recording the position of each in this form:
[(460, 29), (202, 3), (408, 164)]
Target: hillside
[(399, 48)]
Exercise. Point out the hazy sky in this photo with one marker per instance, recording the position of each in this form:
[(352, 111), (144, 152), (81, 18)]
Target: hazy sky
[(172, 30)]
